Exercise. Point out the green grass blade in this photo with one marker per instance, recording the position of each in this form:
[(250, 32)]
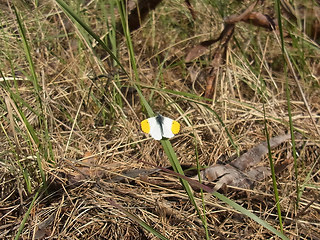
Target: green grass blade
[(124, 21), (26, 216), (28, 55), (273, 174), (286, 56)]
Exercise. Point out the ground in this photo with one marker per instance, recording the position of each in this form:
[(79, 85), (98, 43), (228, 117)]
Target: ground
[(74, 163)]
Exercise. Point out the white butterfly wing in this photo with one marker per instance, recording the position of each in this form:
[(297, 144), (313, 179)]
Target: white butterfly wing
[(167, 127), (155, 129)]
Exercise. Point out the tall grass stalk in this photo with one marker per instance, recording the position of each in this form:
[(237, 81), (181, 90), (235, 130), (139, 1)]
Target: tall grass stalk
[(287, 58), (26, 216), (273, 174)]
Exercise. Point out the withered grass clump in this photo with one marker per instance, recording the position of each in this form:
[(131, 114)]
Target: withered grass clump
[(77, 123)]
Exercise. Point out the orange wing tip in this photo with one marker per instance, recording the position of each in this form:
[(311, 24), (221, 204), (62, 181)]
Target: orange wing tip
[(175, 128), (145, 126)]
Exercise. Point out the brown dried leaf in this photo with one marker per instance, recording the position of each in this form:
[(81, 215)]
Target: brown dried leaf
[(200, 49), (227, 175), (255, 18), (260, 20), (42, 228), (234, 174), (255, 154)]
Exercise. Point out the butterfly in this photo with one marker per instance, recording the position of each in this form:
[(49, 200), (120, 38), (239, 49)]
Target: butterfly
[(160, 127)]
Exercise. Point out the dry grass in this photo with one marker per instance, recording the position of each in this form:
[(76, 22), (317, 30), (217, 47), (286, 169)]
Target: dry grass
[(94, 127)]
